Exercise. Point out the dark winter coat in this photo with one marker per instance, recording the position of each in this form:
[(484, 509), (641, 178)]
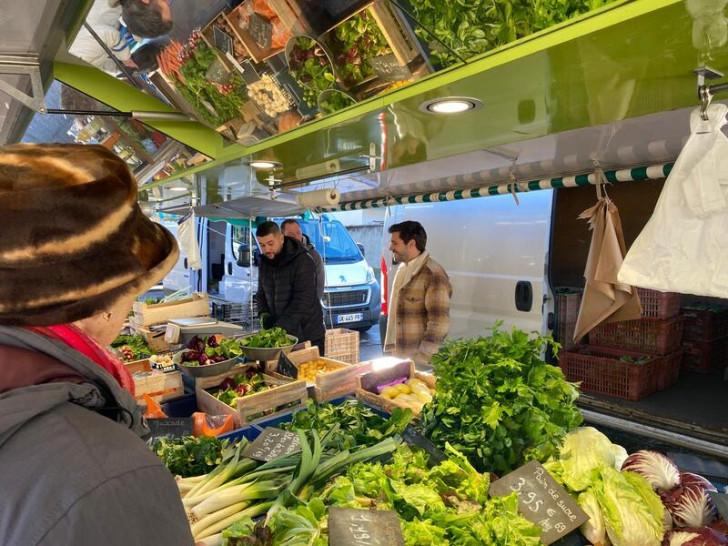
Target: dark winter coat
[(71, 475), (287, 290)]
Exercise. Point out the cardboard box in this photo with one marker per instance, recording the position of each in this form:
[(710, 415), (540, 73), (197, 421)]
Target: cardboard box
[(284, 396), (147, 314), (329, 385)]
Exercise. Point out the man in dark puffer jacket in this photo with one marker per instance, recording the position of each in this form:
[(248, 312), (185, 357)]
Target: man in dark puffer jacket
[(287, 295)]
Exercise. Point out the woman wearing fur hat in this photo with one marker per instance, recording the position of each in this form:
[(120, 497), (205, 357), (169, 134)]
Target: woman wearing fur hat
[(75, 251)]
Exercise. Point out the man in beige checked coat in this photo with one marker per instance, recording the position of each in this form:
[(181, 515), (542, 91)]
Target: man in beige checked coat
[(419, 307)]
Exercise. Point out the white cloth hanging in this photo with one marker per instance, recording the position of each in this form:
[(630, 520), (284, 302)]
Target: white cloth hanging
[(187, 238), (684, 246)]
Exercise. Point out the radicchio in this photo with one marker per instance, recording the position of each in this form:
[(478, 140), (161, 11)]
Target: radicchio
[(703, 536), (689, 504), (658, 470)]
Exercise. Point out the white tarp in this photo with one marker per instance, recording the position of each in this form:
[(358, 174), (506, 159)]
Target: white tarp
[(684, 246)]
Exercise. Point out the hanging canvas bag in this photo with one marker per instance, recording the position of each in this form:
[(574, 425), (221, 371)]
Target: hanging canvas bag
[(684, 246)]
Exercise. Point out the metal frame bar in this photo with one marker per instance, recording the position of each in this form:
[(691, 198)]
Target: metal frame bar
[(24, 65)]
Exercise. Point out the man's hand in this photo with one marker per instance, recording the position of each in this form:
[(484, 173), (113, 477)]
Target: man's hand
[(266, 321)]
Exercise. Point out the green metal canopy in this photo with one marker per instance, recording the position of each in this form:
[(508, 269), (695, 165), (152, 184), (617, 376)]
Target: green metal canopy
[(629, 59)]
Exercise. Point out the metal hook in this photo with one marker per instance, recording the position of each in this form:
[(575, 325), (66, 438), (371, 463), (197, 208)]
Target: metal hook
[(600, 180), (705, 99), (513, 188)]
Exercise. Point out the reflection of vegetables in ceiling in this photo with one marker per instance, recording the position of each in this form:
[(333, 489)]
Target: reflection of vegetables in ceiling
[(358, 40), (310, 65), (334, 100), (216, 103), (267, 94), (473, 27)]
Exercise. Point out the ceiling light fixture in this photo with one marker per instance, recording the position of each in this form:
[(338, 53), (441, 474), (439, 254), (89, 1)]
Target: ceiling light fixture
[(178, 188), (450, 105), (264, 164)]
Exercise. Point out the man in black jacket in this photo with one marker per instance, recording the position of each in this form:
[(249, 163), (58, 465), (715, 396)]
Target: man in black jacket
[(287, 295)]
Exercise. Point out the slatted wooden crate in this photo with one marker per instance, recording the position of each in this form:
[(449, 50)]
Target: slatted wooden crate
[(342, 344), (369, 381), (161, 386), (334, 384), (146, 314), (284, 396)]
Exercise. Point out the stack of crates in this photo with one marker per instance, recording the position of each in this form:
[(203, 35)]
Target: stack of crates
[(631, 359), (568, 302), (705, 342)]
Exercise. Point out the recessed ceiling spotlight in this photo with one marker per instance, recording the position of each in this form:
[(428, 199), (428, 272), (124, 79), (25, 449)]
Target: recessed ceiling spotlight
[(450, 105), (264, 164)]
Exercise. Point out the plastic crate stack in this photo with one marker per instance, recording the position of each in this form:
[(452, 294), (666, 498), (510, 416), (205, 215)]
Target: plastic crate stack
[(568, 301), (705, 341), (631, 359)]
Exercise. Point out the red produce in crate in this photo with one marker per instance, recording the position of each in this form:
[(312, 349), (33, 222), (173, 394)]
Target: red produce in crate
[(702, 536), (689, 503), (658, 470)]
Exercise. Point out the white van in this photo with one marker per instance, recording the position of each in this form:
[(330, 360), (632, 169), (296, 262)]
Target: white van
[(351, 294), (230, 274), (495, 254)]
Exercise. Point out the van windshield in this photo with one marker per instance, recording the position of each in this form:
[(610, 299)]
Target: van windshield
[(332, 241)]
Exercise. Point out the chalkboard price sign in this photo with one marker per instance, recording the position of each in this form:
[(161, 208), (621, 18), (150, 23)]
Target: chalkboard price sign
[(273, 443), (541, 501), (286, 367), (261, 30), (388, 68), (350, 527), (172, 427)]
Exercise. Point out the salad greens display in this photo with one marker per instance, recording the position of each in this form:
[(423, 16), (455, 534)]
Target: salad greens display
[(498, 402), (272, 338), (202, 351), (132, 347), (190, 456), (358, 40), (354, 423), (444, 505), (311, 67), (216, 103), (333, 100), (242, 384), (477, 26)]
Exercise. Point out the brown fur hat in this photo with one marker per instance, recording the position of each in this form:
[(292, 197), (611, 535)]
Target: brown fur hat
[(73, 239)]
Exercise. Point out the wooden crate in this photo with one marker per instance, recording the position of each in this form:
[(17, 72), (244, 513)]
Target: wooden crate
[(256, 53), (400, 37), (291, 15), (155, 339), (335, 384), (146, 314), (161, 386), (369, 381), (214, 380), (342, 344), (286, 395)]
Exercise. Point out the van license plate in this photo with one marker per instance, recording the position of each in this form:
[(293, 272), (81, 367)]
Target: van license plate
[(353, 317)]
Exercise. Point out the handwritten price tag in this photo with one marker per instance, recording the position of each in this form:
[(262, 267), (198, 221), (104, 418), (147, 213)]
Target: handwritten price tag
[(350, 527), (541, 501), (273, 443)]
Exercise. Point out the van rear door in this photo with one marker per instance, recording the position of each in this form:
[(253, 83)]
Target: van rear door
[(495, 254)]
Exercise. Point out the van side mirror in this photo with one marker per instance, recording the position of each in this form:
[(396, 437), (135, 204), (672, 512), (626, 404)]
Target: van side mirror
[(361, 248), (243, 256)]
